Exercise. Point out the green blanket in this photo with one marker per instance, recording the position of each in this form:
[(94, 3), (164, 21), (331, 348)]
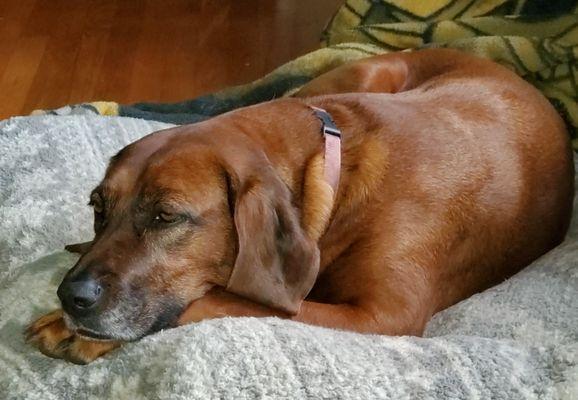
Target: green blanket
[(536, 38)]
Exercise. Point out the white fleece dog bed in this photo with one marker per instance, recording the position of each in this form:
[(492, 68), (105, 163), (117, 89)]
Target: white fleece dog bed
[(518, 340)]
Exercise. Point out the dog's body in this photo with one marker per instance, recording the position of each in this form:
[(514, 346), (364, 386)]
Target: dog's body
[(456, 180)]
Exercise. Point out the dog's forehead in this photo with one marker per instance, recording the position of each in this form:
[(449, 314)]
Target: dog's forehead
[(189, 171), (127, 164), (172, 160)]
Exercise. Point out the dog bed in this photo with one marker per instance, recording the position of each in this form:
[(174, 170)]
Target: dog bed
[(518, 340)]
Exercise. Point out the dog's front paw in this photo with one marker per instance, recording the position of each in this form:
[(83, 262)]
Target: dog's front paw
[(214, 304), (50, 334)]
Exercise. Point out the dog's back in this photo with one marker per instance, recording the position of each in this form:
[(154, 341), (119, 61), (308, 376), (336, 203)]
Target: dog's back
[(478, 168)]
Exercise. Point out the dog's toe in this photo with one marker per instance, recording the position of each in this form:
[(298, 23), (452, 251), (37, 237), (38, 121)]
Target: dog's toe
[(47, 333), (81, 351)]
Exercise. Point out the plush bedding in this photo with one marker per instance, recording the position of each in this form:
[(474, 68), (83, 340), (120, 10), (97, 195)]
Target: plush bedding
[(518, 340)]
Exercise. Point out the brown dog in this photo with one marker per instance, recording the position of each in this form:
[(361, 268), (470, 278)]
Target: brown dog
[(449, 185)]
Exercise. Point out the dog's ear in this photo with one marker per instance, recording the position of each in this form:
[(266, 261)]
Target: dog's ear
[(79, 248), (277, 263)]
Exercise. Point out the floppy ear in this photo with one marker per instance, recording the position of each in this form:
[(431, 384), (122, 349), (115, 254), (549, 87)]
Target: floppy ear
[(79, 248), (277, 263)]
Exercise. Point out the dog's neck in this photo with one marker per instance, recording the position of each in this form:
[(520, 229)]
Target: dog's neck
[(292, 132), (363, 160)]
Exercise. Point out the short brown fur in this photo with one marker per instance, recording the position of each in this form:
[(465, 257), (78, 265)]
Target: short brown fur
[(455, 175)]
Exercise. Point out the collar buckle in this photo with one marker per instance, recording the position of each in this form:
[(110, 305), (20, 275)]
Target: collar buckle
[(329, 130)]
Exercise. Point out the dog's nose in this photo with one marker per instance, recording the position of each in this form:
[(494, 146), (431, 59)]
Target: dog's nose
[(80, 296)]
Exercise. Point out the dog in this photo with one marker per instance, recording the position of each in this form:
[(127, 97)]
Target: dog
[(382, 192)]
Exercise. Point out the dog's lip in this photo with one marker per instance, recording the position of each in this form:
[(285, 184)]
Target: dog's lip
[(84, 332), (92, 335)]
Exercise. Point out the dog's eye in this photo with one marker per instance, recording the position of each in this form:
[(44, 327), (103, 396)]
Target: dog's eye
[(166, 218)]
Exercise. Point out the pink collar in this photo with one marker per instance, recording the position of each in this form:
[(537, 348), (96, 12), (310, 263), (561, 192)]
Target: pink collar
[(332, 136)]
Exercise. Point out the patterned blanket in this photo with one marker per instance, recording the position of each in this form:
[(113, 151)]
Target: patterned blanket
[(536, 38)]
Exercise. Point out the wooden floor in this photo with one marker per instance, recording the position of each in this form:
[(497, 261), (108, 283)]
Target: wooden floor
[(58, 52)]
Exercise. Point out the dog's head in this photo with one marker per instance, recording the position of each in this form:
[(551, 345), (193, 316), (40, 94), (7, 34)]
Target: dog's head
[(178, 212)]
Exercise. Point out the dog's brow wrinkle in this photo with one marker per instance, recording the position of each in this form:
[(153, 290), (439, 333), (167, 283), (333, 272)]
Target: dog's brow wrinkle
[(108, 193), (161, 196), (96, 190), (114, 159)]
